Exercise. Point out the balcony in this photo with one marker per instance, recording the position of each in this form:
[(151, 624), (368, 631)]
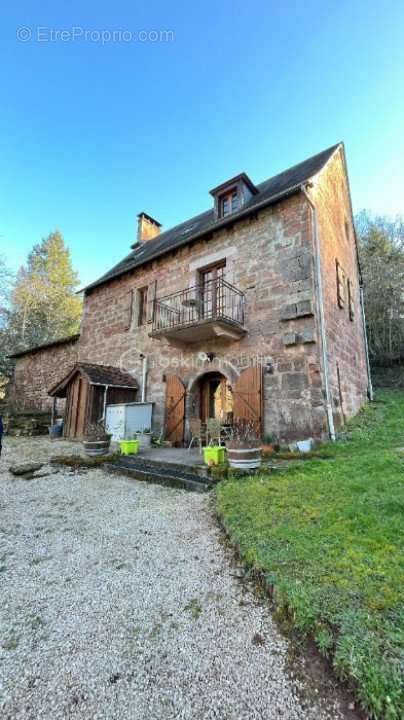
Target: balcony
[(203, 312)]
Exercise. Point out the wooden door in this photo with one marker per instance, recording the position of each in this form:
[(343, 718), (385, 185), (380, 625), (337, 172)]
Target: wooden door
[(68, 412), (81, 407), (76, 403), (175, 409), (214, 400), (212, 290), (73, 400), (247, 397)]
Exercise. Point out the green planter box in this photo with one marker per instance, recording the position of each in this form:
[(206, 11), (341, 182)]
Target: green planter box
[(129, 447), (216, 454)]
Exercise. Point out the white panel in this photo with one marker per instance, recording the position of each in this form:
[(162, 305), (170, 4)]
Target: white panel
[(138, 418), (125, 420), (115, 421)]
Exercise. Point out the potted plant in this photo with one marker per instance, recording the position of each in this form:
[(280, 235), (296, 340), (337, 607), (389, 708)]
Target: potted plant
[(144, 437), (244, 447), (129, 447), (96, 441), (214, 455)]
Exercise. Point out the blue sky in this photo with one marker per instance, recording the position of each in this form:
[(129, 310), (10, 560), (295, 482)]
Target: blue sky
[(92, 132)]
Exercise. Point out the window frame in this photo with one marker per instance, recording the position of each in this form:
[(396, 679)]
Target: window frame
[(341, 284), (351, 302), (211, 303), (228, 197)]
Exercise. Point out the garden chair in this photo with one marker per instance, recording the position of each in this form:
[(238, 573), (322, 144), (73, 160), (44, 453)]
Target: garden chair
[(195, 427), (214, 431)]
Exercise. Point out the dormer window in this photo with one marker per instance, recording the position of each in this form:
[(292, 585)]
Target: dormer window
[(229, 203), (232, 195)]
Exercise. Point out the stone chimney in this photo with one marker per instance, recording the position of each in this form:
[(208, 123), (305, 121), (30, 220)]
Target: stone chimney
[(147, 228)]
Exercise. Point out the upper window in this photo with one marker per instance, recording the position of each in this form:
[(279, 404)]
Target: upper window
[(229, 203), (345, 291), (347, 231), (142, 306), (231, 195), (341, 281)]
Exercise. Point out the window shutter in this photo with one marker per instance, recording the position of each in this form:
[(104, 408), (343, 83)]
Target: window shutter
[(351, 305), (340, 285), (248, 398), (136, 308), (128, 310), (151, 296)]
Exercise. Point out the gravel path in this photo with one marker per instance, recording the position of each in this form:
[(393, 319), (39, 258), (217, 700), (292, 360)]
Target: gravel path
[(119, 601)]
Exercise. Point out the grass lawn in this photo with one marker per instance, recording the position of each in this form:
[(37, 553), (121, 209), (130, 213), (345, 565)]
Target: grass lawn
[(329, 536)]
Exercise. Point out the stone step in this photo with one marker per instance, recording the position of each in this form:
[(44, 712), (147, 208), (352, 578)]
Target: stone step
[(168, 474), (167, 466)]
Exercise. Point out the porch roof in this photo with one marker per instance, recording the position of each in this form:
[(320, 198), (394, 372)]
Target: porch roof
[(95, 375)]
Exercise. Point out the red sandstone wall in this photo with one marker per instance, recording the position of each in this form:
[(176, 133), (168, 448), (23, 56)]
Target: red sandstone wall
[(345, 338), (269, 257), (36, 372)]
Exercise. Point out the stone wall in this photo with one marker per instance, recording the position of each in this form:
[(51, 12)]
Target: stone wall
[(36, 372), (270, 258), (345, 334)]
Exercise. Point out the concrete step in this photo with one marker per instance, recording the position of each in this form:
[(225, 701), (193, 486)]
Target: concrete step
[(168, 474)]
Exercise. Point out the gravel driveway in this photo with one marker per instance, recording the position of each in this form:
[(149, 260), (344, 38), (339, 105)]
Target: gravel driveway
[(119, 600)]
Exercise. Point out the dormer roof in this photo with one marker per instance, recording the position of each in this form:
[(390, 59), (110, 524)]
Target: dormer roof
[(241, 179)]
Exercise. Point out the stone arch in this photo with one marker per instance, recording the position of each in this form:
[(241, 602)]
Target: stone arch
[(192, 399)]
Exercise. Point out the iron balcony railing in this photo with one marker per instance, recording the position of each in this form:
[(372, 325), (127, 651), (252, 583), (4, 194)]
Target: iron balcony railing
[(215, 299)]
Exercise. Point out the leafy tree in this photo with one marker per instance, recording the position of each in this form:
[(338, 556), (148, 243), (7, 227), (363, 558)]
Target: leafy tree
[(381, 249), (45, 306)]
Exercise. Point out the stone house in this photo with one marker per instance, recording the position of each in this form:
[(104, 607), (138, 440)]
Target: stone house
[(251, 310)]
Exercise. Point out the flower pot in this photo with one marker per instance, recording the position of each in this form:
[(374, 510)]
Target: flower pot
[(214, 455), (244, 458), (268, 449), (129, 447), (93, 448)]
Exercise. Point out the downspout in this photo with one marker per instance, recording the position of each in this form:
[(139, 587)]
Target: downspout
[(365, 335), (144, 376), (104, 409), (319, 288)]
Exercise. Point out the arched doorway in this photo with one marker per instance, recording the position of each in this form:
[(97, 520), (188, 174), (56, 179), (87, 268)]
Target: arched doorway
[(212, 397)]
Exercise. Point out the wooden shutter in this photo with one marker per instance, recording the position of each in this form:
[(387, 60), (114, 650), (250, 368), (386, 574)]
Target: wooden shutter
[(175, 409), (151, 296), (351, 305), (340, 285), (247, 398), (128, 310)]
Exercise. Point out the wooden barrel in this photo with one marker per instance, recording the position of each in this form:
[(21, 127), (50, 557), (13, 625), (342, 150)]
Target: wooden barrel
[(244, 458), (94, 448)]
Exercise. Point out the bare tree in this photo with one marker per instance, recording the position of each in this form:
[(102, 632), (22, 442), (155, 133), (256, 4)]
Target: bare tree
[(6, 284), (381, 248)]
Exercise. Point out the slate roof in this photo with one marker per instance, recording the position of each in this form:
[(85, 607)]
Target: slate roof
[(96, 375), (269, 192), (45, 346), (107, 375)]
